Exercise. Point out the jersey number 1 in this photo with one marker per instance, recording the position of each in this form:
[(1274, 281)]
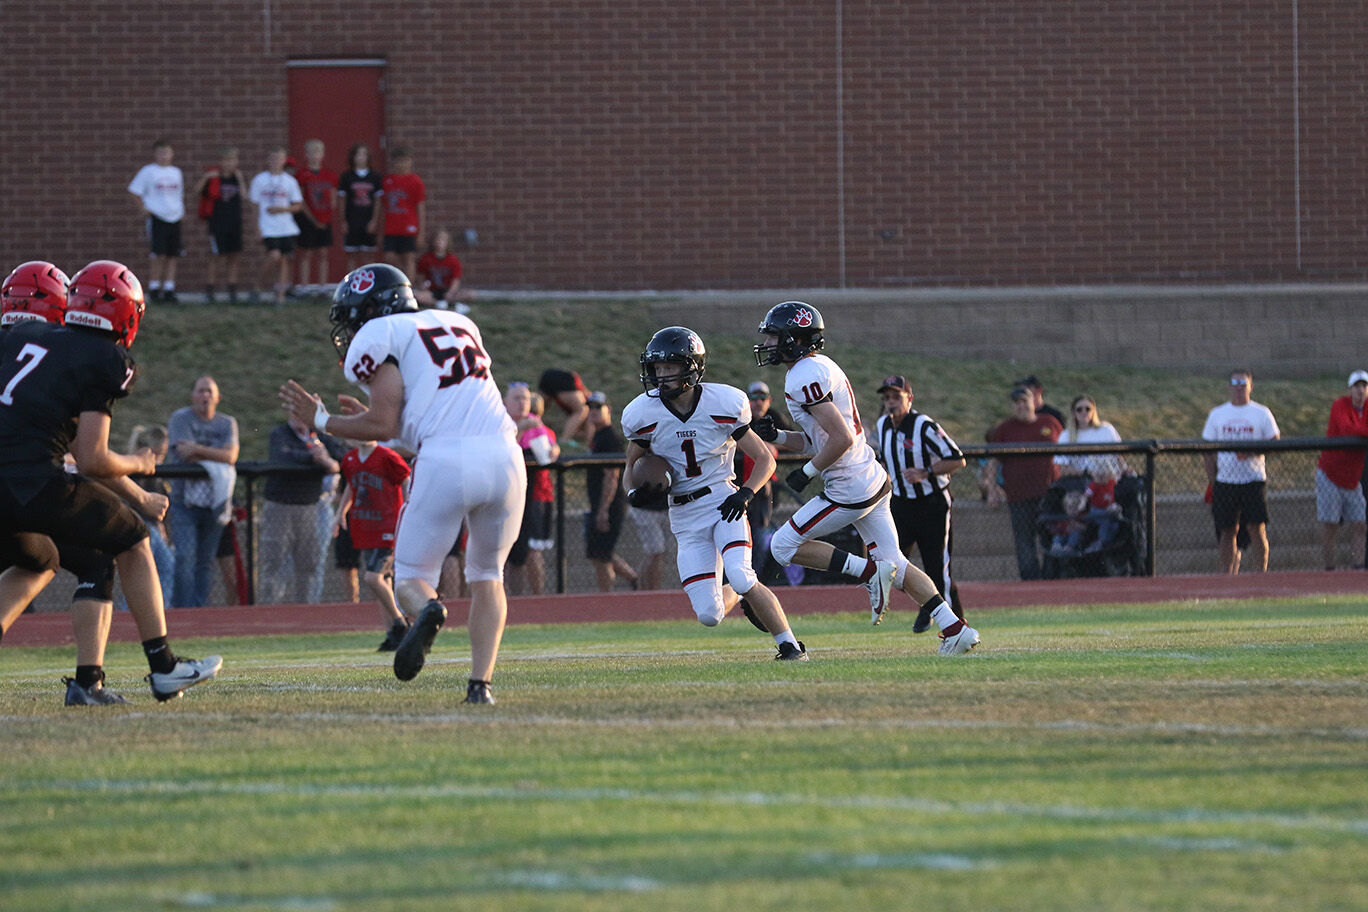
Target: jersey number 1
[(29, 356)]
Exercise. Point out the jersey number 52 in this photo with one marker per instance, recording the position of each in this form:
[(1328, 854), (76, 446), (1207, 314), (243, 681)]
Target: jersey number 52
[(466, 357)]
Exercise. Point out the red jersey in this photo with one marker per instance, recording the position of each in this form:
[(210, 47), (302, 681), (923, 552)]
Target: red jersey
[(1102, 494), (540, 488), (438, 274), (376, 495), (320, 191), (1344, 467), (401, 195)]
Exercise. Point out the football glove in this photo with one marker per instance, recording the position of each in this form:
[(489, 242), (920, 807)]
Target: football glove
[(734, 507), (797, 480), (764, 428), (643, 496)]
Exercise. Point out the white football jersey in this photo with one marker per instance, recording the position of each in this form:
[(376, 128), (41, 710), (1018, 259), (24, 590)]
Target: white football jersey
[(857, 475), (449, 388), (699, 445)]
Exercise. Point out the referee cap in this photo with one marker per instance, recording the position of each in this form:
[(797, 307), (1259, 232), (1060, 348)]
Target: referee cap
[(897, 381)]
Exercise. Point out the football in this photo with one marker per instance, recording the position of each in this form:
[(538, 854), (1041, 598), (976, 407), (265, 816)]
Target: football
[(650, 471)]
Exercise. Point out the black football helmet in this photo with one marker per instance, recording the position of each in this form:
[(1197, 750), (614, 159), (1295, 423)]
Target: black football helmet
[(376, 290), (797, 330), (673, 345)]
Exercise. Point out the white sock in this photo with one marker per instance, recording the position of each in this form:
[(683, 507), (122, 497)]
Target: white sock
[(943, 616), (855, 565), (785, 637)]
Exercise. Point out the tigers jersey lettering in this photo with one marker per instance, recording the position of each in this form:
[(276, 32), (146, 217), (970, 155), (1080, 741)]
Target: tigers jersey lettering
[(698, 446), (449, 389)]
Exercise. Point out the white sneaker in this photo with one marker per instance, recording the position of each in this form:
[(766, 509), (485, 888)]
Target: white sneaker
[(960, 642), (880, 585), (186, 674)]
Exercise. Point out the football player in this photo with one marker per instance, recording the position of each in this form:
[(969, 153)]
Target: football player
[(430, 384), (696, 427), (857, 489), (51, 376)]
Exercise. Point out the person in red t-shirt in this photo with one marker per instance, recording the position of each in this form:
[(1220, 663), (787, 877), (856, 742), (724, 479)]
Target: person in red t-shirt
[(1024, 478), (319, 186), (440, 274), (1339, 490), (374, 498), (401, 206)]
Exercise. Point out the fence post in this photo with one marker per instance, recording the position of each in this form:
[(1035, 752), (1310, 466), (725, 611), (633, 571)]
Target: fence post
[(1151, 512), (560, 529)]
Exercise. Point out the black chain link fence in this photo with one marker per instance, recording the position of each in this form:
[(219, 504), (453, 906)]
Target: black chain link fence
[(1168, 521)]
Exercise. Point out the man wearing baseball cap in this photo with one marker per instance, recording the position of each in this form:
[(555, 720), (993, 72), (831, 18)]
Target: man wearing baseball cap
[(761, 509), (919, 458), (1339, 491)]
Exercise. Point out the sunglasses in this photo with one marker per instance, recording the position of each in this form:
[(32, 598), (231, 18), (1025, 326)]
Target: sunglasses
[(1238, 381), (1082, 409)]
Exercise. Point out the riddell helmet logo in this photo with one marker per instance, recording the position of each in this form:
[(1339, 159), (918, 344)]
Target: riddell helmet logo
[(363, 281), (803, 318)]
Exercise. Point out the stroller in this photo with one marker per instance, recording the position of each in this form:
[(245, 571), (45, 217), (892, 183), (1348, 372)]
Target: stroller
[(1122, 555)]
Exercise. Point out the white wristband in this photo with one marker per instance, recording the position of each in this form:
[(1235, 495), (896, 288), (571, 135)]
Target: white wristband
[(810, 470), (321, 417)]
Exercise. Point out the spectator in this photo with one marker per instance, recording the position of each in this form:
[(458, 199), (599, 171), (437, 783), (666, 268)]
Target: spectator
[(440, 273), (290, 547), (1032, 383), (1024, 479), (402, 208), (277, 197), (220, 196), (1086, 426), (1093, 519), (1339, 490), (538, 444), (156, 440), (607, 500), (357, 188), (919, 458), (1238, 479), (160, 190), (375, 477), (200, 508), (318, 186), (761, 509), (566, 389), (231, 568)]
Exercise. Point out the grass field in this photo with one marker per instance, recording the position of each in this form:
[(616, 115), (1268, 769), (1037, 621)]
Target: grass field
[(1204, 756)]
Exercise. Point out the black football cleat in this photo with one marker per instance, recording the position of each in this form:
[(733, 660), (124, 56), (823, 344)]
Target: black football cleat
[(94, 695), (412, 651), (791, 653), (479, 692), (394, 637), (750, 616)]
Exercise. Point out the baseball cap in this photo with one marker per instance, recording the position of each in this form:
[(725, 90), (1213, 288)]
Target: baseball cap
[(1020, 392), (598, 397), (1358, 377), (1030, 381), (758, 388), (897, 381)]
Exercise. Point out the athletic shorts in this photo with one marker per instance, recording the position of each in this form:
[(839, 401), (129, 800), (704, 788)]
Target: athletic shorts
[(1242, 504), (553, 382), (312, 237), (164, 238), (598, 546), (358, 239), (401, 243), (69, 508), (225, 240), (651, 526), (1335, 504), (285, 245), (535, 532), (345, 555), (375, 560)]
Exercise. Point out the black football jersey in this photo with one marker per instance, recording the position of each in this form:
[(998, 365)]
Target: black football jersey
[(49, 375)]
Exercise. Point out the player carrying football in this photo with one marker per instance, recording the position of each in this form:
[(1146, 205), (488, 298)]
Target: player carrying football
[(857, 489), (696, 427)]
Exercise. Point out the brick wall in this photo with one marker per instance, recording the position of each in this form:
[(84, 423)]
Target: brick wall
[(654, 144)]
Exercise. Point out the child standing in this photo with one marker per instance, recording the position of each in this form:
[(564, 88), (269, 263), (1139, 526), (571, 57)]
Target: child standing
[(402, 206), (357, 187), (375, 476), (277, 197), (319, 188), (220, 196), (160, 190)]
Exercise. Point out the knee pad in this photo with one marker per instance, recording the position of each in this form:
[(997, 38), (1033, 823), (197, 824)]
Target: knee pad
[(740, 574), (94, 571), (707, 604), (784, 544)]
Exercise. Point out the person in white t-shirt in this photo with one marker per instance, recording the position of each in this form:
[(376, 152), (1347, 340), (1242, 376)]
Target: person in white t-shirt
[(1086, 426), (1238, 478), (160, 190), (277, 197), (431, 386)]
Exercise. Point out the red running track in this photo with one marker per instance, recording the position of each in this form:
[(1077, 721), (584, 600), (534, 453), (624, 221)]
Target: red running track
[(54, 629)]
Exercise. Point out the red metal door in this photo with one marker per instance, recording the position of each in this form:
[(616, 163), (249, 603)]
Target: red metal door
[(341, 102)]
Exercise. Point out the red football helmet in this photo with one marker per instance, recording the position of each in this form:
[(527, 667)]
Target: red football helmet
[(106, 295), (36, 290)]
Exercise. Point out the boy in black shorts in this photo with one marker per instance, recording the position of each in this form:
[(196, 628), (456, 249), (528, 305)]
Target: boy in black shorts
[(51, 376)]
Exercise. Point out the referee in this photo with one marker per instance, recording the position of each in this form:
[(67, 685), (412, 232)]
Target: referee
[(919, 458)]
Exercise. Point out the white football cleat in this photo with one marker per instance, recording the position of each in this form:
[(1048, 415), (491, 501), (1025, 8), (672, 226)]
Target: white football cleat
[(958, 643), (880, 586), (187, 673)]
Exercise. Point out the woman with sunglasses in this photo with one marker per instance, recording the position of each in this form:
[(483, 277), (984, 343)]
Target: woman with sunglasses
[(1086, 426)]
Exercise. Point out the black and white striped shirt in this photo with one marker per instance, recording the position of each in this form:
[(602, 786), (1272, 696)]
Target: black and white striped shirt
[(915, 442)]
